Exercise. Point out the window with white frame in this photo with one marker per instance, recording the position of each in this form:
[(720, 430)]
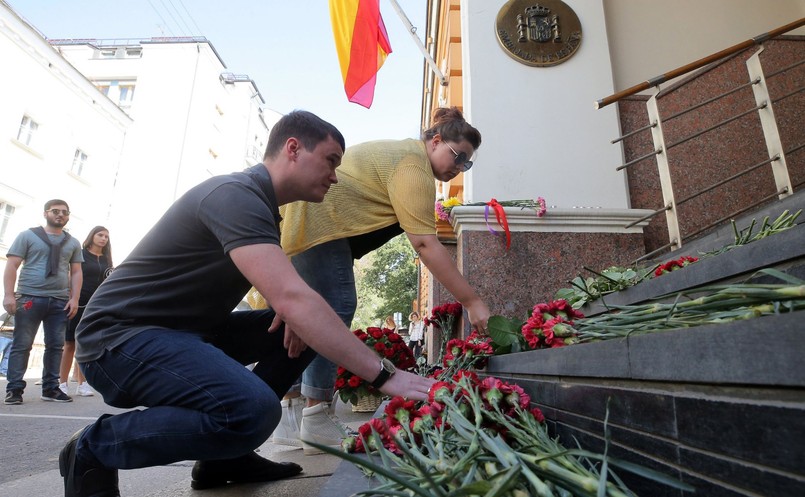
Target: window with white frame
[(121, 91), (6, 211), (126, 94), (27, 130), (79, 163)]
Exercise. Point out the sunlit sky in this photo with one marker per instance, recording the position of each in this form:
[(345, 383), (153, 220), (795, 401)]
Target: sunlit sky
[(285, 46)]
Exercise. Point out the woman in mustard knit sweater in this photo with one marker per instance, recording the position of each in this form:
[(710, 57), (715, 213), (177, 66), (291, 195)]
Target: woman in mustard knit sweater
[(384, 188)]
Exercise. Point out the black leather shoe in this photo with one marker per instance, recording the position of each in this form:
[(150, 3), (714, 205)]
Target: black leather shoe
[(250, 468), (83, 480)]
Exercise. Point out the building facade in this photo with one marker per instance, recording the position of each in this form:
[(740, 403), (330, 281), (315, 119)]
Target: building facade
[(59, 136), (542, 135), (192, 119)]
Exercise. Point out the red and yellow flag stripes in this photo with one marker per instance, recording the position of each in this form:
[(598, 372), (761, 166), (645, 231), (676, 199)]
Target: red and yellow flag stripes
[(362, 45)]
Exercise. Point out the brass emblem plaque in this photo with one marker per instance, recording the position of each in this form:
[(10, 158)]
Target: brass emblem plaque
[(538, 34)]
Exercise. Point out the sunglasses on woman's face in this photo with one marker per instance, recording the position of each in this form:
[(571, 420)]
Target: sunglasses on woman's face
[(461, 159)]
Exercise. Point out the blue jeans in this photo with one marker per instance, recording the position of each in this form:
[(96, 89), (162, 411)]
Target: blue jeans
[(202, 403), (31, 312), (5, 349), (327, 268)]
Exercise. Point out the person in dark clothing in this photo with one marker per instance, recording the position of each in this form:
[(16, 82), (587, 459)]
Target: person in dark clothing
[(160, 331), (97, 252)]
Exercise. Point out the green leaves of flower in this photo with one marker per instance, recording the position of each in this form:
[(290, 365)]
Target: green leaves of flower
[(505, 334)]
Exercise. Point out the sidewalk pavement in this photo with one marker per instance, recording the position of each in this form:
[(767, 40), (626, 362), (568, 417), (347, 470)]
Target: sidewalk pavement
[(39, 429)]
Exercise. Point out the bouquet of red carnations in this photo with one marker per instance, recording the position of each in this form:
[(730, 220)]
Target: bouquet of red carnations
[(444, 316), (386, 343)]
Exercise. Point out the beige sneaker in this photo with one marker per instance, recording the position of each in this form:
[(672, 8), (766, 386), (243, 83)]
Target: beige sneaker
[(287, 432), (321, 426), (84, 390)]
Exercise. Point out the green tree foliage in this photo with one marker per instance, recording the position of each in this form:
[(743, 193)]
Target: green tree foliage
[(386, 283)]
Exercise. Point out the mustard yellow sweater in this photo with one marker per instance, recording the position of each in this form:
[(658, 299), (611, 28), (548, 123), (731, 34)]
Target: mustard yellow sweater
[(380, 183)]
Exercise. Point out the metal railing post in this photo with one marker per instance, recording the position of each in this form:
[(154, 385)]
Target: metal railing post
[(665, 173), (770, 131)]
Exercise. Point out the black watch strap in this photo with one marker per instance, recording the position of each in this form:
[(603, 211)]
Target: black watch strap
[(386, 370), (381, 379)]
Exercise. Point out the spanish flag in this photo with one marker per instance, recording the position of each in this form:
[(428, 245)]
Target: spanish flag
[(362, 45)]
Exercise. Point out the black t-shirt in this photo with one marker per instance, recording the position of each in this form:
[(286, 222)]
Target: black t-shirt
[(95, 269), (180, 275)]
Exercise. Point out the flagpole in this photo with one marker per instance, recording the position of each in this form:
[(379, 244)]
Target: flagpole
[(412, 31)]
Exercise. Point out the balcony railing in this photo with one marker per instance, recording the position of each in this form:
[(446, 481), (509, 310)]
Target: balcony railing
[(763, 107)]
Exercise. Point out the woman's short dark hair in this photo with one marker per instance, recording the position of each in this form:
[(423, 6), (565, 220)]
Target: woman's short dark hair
[(449, 122), (307, 127)]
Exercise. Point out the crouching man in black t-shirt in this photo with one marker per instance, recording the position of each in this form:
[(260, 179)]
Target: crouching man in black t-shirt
[(160, 331)]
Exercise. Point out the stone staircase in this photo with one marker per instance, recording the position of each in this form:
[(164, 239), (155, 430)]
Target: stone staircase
[(721, 407)]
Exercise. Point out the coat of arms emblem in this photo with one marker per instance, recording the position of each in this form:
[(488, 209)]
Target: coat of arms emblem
[(538, 24), (538, 34)]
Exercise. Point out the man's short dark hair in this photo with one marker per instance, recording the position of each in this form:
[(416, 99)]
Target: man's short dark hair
[(309, 128), (55, 201)]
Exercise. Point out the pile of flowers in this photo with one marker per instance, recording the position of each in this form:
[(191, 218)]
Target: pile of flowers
[(412, 421), (674, 265), (474, 352), (443, 207), (386, 343), (478, 436), (550, 325)]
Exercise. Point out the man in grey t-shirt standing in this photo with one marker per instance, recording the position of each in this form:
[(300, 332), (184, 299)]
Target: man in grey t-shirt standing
[(47, 294)]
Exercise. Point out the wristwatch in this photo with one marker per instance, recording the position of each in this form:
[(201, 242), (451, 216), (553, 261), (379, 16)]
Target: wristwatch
[(387, 369)]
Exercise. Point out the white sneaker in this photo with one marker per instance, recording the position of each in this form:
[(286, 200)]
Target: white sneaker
[(84, 390), (321, 426), (287, 432), (63, 388)]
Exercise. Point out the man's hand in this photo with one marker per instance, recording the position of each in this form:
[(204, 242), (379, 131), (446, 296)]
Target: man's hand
[(10, 304), (409, 385), (291, 341)]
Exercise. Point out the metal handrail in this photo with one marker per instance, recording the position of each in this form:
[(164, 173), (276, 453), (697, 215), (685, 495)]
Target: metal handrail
[(727, 180), (635, 161), (656, 251), (739, 211), (647, 216), (788, 95), (662, 78), (784, 69), (632, 133), (711, 100), (718, 125)]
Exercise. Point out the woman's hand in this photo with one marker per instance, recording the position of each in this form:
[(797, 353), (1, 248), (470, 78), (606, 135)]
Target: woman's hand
[(479, 314)]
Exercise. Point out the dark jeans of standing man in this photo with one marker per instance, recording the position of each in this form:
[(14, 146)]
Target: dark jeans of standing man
[(202, 403), (31, 312)]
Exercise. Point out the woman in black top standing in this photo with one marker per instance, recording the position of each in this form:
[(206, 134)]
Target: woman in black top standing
[(96, 267)]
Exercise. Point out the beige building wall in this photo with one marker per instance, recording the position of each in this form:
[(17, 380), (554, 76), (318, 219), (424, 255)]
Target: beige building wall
[(651, 37)]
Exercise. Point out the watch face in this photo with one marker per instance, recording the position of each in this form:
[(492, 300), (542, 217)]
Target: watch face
[(388, 365)]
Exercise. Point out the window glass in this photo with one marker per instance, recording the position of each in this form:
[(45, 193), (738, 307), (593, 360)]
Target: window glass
[(28, 128)]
